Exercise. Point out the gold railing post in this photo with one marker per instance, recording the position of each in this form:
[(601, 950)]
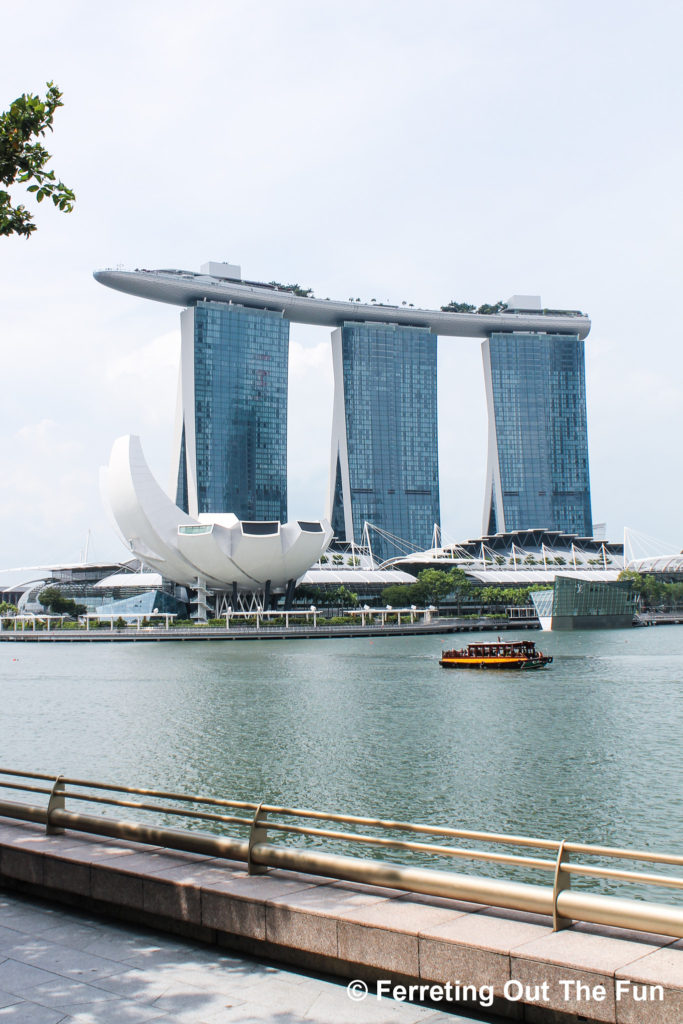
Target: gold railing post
[(562, 882), (257, 834), (55, 803)]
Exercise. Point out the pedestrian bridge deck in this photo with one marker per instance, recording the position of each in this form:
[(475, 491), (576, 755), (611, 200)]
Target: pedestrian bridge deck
[(586, 972)]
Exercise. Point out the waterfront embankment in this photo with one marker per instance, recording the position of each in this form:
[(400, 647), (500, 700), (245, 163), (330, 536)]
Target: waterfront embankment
[(110, 633), (509, 962)]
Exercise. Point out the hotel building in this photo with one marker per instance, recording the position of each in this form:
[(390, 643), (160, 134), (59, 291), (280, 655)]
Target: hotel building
[(385, 467), (537, 475), (231, 424), (232, 413)]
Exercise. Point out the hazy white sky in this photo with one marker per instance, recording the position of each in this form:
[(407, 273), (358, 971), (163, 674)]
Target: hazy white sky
[(380, 149)]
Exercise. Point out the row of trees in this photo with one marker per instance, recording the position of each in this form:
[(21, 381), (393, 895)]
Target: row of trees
[(467, 307), (653, 592), (434, 586), (323, 597)]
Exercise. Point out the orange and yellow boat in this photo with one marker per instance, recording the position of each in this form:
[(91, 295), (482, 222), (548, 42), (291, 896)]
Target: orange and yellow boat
[(520, 654)]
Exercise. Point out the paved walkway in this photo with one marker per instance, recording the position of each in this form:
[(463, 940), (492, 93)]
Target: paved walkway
[(58, 966)]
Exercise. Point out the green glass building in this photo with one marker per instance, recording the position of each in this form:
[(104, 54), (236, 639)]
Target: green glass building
[(585, 604)]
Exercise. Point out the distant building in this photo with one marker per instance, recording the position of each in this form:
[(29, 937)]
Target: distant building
[(384, 466), (105, 587), (231, 429), (213, 551), (537, 474), (585, 604), (523, 557)]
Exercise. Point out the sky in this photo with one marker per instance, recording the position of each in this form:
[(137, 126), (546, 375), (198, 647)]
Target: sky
[(375, 149)]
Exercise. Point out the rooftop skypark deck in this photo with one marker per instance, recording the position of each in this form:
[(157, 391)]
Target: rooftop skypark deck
[(185, 288)]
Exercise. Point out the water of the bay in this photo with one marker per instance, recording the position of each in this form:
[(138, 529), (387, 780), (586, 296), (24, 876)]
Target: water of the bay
[(590, 749)]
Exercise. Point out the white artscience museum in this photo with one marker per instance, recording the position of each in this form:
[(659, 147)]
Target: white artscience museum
[(213, 550)]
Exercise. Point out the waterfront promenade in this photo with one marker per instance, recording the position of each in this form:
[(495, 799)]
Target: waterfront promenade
[(62, 966), (509, 962), (138, 633), (145, 634)]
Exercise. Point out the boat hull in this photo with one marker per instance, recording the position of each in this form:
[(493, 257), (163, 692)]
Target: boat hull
[(520, 664)]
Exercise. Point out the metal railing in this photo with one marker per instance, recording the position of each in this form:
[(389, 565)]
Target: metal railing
[(259, 821)]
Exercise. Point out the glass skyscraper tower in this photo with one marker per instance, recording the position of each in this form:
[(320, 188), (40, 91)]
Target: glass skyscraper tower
[(384, 467), (231, 424), (538, 442)]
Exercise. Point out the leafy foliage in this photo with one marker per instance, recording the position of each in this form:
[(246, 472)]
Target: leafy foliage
[(466, 307), (653, 592), (51, 599), (432, 586), (23, 159), (458, 307), (324, 597), (398, 595), (295, 289)]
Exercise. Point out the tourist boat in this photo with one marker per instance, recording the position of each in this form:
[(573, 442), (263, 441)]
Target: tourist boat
[(497, 654)]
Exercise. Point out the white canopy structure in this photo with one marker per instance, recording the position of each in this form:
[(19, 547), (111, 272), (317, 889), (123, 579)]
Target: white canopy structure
[(671, 564), (217, 550)]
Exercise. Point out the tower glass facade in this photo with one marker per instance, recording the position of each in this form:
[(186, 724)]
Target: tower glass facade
[(538, 441), (237, 407), (384, 447)]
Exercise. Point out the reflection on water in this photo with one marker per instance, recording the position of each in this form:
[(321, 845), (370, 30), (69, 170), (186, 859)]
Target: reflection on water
[(589, 749)]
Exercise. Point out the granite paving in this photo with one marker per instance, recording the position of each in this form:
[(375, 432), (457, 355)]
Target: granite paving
[(59, 966)]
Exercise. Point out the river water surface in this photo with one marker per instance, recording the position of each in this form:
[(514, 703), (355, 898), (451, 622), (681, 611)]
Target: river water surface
[(589, 749)]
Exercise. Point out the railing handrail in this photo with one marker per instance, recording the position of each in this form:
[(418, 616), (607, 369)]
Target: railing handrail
[(259, 816), (352, 819)]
